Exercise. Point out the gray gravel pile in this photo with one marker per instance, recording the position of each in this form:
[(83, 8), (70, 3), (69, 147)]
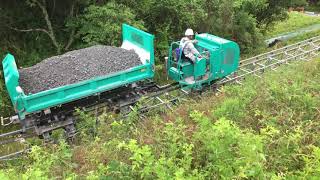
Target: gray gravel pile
[(75, 66)]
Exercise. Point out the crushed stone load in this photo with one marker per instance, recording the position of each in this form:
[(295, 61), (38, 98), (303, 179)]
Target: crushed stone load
[(76, 66)]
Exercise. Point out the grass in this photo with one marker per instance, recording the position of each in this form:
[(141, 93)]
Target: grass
[(295, 22), (289, 42), (265, 129), (5, 104), (303, 37)]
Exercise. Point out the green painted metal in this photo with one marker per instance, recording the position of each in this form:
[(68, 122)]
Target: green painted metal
[(30, 103), (187, 69), (220, 57), (175, 74), (200, 68), (11, 76), (144, 41)]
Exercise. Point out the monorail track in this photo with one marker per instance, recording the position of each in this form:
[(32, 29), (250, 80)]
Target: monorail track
[(119, 101), (256, 66), (301, 51)]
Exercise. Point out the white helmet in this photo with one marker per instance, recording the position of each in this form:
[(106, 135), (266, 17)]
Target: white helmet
[(189, 32)]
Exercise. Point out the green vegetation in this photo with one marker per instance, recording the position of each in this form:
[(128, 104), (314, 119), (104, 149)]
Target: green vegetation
[(314, 6), (298, 3), (293, 40), (302, 37), (5, 103), (265, 129), (295, 22)]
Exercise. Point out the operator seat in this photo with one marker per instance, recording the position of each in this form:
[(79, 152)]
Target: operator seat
[(185, 60)]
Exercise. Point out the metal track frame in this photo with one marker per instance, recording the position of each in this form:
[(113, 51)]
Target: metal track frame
[(65, 116), (301, 51)]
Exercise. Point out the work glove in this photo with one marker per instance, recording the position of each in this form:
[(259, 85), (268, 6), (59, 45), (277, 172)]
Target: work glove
[(199, 57)]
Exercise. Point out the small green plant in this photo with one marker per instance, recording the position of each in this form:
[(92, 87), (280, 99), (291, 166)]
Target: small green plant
[(87, 125), (226, 151), (312, 167), (171, 158), (43, 163)]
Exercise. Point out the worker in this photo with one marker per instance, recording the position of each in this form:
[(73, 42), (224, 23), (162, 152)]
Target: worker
[(187, 46)]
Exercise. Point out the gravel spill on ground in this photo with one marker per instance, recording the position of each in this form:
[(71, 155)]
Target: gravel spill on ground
[(76, 66)]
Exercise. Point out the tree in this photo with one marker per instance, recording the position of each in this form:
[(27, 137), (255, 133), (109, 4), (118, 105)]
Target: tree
[(168, 19), (273, 11), (233, 20), (48, 20), (298, 3), (41, 4), (242, 20), (101, 24)]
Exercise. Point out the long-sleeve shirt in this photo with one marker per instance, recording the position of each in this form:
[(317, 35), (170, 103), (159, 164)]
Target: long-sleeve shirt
[(188, 49)]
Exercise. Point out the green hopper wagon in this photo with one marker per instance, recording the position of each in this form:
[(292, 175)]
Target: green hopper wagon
[(46, 101)]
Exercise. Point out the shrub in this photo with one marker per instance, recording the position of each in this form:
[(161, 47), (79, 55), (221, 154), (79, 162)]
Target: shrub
[(227, 152)]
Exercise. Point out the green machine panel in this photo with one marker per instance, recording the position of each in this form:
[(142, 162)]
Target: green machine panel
[(224, 54)]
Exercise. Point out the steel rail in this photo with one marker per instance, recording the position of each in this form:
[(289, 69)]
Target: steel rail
[(20, 131), (258, 64), (12, 156), (286, 48), (21, 139)]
